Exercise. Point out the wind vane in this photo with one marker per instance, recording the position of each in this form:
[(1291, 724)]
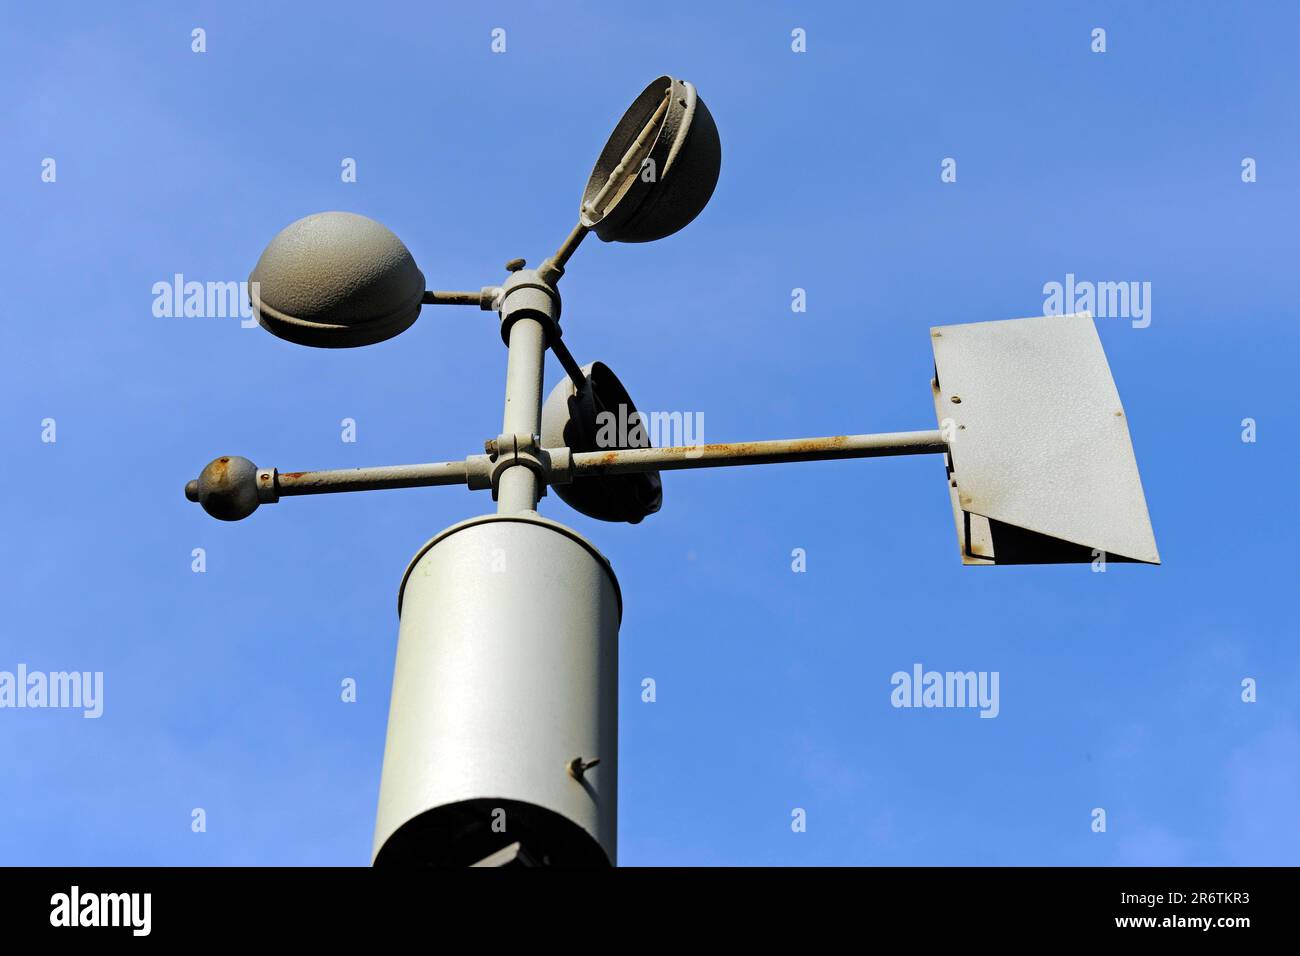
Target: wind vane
[(503, 724)]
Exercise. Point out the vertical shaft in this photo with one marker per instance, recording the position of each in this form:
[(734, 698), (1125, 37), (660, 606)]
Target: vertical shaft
[(518, 489)]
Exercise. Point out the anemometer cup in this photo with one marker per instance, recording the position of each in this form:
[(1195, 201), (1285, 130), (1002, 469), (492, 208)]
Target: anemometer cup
[(666, 183), (600, 417), (336, 280)]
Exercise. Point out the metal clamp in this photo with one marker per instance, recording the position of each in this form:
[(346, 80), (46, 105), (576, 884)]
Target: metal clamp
[(525, 295), (268, 490), (506, 451)]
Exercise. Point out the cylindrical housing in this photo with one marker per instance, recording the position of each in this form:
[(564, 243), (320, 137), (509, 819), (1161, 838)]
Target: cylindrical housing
[(506, 674)]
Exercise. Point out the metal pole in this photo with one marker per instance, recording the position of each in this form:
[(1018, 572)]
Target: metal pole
[(270, 485), (570, 364), (370, 479), (519, 488), (437, 297), (630, 460), (569, 246), (552, 269), (503, 722)]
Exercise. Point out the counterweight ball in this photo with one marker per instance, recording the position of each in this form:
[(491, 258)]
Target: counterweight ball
[(227, 488)]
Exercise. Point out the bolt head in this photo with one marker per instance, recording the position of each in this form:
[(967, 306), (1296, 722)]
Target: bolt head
[(227, 488)]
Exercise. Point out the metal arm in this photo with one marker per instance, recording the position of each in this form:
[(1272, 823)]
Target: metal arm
[(482, 298), (630, 460), (551, 270), (232, 488), (370, 479)]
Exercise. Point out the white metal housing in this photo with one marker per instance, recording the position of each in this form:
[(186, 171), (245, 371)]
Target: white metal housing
[(506, 673)]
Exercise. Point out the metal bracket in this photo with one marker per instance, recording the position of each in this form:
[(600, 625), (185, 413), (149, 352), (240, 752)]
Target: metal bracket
[(268, 490), (478, 472), (507, 451), (525, 295)]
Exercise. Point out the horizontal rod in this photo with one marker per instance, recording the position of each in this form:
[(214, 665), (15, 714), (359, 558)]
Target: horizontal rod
[(453, 298), (482, 471), (370, 479), (631, 460)]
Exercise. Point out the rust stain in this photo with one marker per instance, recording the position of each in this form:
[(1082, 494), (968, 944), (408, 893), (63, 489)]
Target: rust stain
[(292, 474), (765, 447), (821, 444), (754, 449)]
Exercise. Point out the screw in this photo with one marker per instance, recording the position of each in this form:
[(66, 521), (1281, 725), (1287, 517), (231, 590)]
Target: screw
[(514, 265), (578, 767), (956, 399), (490, 446)]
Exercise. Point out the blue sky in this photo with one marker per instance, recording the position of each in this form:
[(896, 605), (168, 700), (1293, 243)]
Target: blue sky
[(1119, 690)]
